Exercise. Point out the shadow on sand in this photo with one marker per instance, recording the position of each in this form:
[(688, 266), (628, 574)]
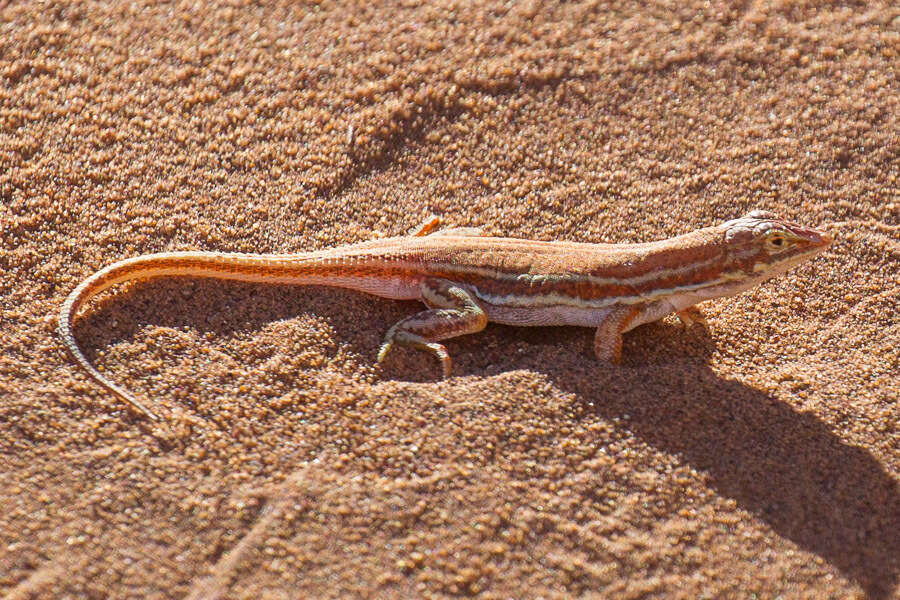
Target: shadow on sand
[(785, 466)]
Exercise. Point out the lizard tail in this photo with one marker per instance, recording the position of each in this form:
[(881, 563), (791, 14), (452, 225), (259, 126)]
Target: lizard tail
[(322, 268), (89, 288)]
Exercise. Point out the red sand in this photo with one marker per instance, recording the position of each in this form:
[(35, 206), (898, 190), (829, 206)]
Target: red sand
[(758, 458)]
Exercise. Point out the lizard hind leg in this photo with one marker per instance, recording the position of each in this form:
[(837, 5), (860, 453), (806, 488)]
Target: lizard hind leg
[(431, 226), (452, 312), (427, 227)]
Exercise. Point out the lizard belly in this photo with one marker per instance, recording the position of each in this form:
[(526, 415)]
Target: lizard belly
[(536, 316)]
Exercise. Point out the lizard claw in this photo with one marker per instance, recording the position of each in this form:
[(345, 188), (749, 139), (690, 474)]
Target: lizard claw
[(690, 316), (382, 352)]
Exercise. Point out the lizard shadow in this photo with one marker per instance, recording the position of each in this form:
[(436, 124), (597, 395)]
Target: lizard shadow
[(785, 466)]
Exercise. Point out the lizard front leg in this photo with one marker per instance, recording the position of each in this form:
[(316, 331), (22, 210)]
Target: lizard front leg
[(691, 315), (452, 312), (608, 338)]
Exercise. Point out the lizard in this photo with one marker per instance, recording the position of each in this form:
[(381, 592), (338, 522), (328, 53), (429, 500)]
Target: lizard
[(466, 279)]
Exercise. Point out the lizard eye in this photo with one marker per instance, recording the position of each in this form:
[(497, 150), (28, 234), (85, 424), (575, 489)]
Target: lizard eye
[(776, 241)]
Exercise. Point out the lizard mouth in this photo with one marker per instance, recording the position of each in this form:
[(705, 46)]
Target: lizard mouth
[(815, 238), (804, 253)]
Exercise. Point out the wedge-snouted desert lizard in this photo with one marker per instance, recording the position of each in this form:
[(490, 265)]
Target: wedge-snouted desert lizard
[(466, 279)]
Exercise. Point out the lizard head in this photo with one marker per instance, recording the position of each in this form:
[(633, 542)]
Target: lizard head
[(764, 244)]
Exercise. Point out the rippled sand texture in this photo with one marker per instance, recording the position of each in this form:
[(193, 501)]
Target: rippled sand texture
[(758, 458)]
